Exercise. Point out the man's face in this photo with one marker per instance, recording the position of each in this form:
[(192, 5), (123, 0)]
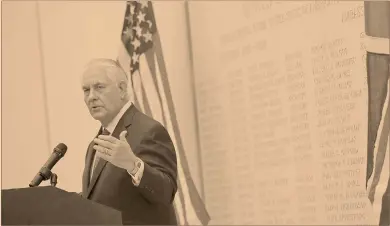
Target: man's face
[(101, 95)]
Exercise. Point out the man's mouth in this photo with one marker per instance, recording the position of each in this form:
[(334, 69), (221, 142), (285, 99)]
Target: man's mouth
[(95, 107)]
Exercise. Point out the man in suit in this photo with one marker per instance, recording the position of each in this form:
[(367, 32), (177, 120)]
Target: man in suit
[(131, 164)]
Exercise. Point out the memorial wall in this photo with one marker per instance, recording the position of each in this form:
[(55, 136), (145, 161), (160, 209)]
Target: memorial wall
[(282, 103)]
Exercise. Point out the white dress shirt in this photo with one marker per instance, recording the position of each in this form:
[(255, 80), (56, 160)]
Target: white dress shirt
[(137, 176)]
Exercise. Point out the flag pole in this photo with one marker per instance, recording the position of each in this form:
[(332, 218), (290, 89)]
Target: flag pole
[(194, 100), (43, 77)]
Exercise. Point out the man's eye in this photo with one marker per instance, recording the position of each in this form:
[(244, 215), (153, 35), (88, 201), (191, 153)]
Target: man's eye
[(100, 87)]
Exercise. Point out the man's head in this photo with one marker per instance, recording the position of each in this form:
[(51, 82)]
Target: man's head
[(104, 84)]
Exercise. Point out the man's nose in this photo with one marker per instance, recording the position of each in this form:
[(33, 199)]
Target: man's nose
[(91, 95)]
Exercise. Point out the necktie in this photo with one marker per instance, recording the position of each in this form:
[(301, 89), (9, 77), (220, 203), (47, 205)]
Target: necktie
[(96, 158)]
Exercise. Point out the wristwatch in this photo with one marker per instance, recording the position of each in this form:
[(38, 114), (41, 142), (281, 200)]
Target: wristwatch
[(137, 166)]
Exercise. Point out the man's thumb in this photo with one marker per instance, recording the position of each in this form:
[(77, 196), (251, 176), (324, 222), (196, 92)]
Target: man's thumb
[(122, 136)]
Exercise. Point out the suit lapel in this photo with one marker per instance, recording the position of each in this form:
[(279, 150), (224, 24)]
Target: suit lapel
[(88, 165), (125, 121), (87, 168), (123, 124), (98, 170)]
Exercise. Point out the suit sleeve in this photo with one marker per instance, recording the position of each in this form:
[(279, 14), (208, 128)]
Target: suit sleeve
[(159, 179)]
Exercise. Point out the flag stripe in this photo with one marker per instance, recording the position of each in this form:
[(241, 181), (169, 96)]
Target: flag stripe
[(137, 89), (145, 101), (124, 59), (377, 45), (194, 195), (377, 18), (152, 67), (382, 146), (192, 74), (183, 204), (176, 213)]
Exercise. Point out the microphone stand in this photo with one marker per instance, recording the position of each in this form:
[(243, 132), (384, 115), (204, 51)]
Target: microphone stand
[(53, 179), (47, 174)]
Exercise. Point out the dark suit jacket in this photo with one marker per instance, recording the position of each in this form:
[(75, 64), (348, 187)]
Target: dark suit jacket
[(385, 211), (152, 201)]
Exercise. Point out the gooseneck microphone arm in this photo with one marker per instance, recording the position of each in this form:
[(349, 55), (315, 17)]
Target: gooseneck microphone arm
[(45, 172)]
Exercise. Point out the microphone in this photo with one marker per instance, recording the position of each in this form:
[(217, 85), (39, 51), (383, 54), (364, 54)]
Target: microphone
[(45, 172)]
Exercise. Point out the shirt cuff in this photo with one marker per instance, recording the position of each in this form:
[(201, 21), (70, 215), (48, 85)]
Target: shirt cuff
[(138, 175)]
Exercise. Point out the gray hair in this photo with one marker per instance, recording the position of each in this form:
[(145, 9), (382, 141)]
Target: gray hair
[(112, 68)]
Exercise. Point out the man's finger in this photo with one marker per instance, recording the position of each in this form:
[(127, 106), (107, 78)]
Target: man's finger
[(104, 143), (102, 150), (108, 138), (122, 136), (103, 156)]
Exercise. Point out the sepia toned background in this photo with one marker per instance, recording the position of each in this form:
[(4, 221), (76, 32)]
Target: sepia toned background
[(280, 142)]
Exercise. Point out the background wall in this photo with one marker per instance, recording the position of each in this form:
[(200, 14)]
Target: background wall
[(25, 145), (42, 98), (282, 98)]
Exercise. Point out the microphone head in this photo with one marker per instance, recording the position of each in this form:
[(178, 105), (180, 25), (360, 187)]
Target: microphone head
[(61, 149)]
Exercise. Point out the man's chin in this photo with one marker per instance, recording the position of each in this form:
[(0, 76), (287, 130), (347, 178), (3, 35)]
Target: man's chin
[(97, 115)]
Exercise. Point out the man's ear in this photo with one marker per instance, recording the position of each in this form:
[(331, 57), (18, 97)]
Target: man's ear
[(122, 87)]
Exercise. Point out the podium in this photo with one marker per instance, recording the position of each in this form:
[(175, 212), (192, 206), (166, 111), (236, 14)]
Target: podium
[(49, 205)]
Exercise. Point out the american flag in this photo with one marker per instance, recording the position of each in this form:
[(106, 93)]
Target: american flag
[(142, 58)]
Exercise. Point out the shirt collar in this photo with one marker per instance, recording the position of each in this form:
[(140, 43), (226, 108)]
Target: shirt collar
[(111, 126)]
